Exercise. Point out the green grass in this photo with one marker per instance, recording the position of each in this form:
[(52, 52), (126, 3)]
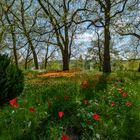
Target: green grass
[(47, 97)]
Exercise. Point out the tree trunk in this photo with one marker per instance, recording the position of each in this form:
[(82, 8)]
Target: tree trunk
[(14, 48), (12, 30), (65, 56), (26, 63), (46, 62), (33, 51), (139, 68), (100, 61), (106, 61), (100, 56)]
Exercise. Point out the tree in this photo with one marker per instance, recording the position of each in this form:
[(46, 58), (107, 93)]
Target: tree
[(108, 14), (130, 27), (12, 31), (101, 14), (59, 19), (26, 21)]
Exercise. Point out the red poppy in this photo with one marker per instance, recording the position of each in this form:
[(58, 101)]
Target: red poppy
[(66, 97), (124, 94), (96, 117), (64, 137), (60, 114), (113, 104), (128, 104), (31, 109), (15, 105), (13, 101), (49, 104), (85, 84)]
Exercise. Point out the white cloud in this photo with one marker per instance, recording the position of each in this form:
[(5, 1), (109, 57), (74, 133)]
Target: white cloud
[(86, 37)]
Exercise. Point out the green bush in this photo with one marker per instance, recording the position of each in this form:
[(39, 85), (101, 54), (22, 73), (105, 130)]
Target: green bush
[(11, 80)]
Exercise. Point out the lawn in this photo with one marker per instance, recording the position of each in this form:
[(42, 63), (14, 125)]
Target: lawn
[(85, 106)]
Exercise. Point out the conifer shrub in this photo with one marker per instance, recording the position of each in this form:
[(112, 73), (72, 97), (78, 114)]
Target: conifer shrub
[(11, 80)]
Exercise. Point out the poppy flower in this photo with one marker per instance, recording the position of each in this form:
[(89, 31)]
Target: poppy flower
[(128, 104), (64, 137), (13, 101), (96, 117), (60, 114), (31, 109), (66, 97), (124, 94), (113, 104), (49, 103), (85, 84), (15, 105)]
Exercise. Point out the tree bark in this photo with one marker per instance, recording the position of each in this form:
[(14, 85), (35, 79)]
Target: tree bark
[(27, 34), (139, 68), (65, 60), (99, 52), (14, 48), (33, 52), (106, 61), (12, 31), (26, 64), (46, 62)]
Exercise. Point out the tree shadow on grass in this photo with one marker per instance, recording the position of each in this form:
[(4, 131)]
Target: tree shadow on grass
[(102, 82)]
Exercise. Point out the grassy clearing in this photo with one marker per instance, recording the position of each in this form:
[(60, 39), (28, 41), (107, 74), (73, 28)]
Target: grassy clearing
[(95, 106)]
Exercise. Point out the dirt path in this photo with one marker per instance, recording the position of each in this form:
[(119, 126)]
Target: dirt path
[(69, 73)]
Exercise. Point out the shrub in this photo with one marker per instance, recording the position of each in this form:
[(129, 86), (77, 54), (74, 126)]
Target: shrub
[(11, 80)]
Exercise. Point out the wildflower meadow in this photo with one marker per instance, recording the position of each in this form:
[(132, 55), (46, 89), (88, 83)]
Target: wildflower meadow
[(86, 106)]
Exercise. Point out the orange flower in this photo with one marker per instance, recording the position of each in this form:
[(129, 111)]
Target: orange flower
[(96, 117), (31, 109), (60, 114)]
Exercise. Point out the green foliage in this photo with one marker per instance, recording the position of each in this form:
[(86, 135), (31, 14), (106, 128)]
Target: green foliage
[(11, 80)]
